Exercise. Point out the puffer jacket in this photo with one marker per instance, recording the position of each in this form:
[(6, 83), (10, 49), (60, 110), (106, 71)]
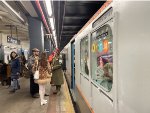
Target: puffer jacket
[(15, 68)]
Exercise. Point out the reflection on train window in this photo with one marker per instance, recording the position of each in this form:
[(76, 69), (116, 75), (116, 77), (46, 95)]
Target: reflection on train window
[(84, 56), (101, 57)]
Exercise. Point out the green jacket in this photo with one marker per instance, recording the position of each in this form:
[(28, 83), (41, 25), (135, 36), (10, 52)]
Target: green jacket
[(57, 73)]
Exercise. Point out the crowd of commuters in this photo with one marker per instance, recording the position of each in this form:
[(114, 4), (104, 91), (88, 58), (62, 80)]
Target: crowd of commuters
[(49, 71)]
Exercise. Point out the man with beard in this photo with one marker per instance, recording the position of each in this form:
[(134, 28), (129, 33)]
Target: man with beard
[(34, 88)]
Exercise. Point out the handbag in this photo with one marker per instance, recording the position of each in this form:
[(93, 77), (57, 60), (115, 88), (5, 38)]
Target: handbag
[(36, 75)]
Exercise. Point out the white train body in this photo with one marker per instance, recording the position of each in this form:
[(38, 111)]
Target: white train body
[(129, 22)]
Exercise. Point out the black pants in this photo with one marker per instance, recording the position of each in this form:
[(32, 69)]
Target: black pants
[(34, 88), (9, 81), (4, 78)]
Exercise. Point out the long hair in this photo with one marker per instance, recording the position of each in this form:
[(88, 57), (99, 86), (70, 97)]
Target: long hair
[(12, 56), (43, 60)]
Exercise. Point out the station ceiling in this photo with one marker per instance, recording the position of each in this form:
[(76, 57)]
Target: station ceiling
[(10, 24), (70, 17)]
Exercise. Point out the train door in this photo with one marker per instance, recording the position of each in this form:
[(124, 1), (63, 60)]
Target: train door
[(73, 65)]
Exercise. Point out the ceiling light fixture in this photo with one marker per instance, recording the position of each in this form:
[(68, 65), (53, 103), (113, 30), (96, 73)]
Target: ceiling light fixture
[(48, 7), (13, 11), (52, 23), (54, 33), (55, 38)]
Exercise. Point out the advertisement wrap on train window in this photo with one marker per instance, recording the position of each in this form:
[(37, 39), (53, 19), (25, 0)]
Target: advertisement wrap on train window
[(102, 59)]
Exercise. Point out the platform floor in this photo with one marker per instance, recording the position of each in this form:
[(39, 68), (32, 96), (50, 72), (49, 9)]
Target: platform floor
[(22, 102)]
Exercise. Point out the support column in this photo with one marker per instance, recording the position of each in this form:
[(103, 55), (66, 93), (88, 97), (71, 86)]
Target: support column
[(36, 34)]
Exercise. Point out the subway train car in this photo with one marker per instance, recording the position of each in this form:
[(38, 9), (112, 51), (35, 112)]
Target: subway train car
[(108, 60)]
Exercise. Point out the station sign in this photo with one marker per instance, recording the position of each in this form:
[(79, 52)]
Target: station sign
[(13, 40)]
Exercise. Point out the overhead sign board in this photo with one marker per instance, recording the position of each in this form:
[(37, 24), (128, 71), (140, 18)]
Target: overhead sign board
[(13, 40)]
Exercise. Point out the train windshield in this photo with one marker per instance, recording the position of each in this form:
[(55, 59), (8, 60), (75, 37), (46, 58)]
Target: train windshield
[(102, 57)]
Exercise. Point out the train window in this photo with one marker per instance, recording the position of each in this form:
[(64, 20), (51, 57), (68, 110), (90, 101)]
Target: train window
[(101, 57), (84, 56)]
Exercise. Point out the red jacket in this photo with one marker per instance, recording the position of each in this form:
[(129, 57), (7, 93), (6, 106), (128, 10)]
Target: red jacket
[(50, 58)]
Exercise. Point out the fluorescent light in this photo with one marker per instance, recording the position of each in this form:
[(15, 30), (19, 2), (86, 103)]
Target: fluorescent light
[(54, 33), (49, 7), (55, 39), (52, 23), (13, 10)]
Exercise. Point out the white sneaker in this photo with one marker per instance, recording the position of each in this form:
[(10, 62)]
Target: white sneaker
[(45, 100), (43, 103)]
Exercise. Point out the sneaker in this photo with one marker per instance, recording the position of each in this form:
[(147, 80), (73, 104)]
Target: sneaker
[(43, 103), (45, 100)]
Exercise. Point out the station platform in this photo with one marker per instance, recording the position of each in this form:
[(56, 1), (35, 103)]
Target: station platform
[(22, 102)]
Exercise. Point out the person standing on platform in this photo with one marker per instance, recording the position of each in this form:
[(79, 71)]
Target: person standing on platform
[(3, 71), (15, 71), (57, 73), (34, 87), (44, 75)]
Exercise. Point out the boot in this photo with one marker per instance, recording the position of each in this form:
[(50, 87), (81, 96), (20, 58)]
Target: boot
[(18, 86), (58, 91)]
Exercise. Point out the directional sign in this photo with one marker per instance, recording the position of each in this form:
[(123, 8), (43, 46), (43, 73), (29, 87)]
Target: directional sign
[(12, 40)]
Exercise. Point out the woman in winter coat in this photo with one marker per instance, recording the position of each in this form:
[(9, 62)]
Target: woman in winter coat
[(15, 71), (57, 73), (44, 75)]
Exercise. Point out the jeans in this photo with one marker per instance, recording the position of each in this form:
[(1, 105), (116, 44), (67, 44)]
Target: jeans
[(15, 84)]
